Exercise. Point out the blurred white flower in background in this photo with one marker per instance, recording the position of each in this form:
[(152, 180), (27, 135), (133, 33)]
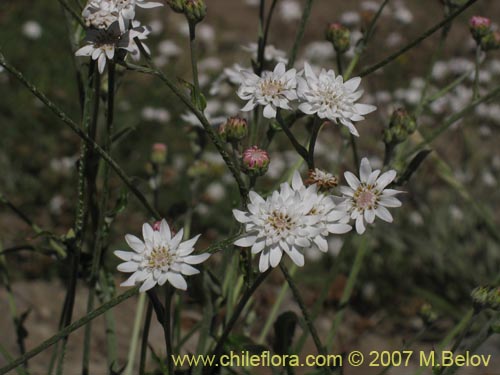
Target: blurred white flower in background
[(290, 10), (160, 115), (161, 257), (271, 53), (32, 30)]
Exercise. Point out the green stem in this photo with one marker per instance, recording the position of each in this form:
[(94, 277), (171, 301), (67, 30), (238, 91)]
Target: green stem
[(360, 48), (167, 323), (346, 295), (135, 334), (475, 92), (300, 32), (144, 341), (194, 63), (417, 41), (232, 321), (214, 137), (276, 307), (312, 142), (309, 322), (298, 147), (68, 329), (451, 120), (99, 243), (76, 129)]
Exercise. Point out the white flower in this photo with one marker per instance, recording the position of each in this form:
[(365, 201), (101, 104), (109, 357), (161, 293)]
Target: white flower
[(102, 13), (290, 10), (324, 215), (102, 43), (273, 90), (331, 98), (367, 197), (32, 30), (276, 225), (160, 258), (291, 219)]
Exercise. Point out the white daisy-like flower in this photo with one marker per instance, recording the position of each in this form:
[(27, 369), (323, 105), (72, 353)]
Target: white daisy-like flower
[(159, 258), (273, 90), (102, 13), (102, 43), (276, 225), (368, 197), (325, 215), (329, 97)]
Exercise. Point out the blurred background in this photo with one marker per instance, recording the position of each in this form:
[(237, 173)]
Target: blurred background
[(442, 244)]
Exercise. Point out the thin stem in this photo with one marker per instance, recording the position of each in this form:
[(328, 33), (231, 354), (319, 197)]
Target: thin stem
[(232, 321), (451, 120), (340, 69), (17, 320), (99, 243), (417, 41), (144, 341), (309, 322), (444, 35), (135, 334), (275, 309), (167, 323), (194, 63), (312, 143), (214, 137), (346, 295), (68, 329), (354, 147), (298, 147), (360, 48), (76, 129), (475, 92), (300, 32)]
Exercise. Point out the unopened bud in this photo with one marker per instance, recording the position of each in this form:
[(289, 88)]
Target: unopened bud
[(159, 153), (486, 297), (323, 180), (491, 41), (234, 129), (479, 27), (255, 161), (198, 169), (176, 5), (339, 36), (428, 314), (401, 126), (195, 10)]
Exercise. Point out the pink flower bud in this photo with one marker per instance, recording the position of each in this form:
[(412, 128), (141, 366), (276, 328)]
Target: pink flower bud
[(479, 27), (255, 161)]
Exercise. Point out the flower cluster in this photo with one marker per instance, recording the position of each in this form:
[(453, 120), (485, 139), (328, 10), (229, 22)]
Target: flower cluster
[(296, 218), (326, 95), (111, 27)]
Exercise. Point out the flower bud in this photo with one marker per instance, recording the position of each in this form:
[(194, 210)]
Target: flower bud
[(324, 181), (199, 169), (490, 41), (255, 161), (479, 27), (234, 129), (486, 297), (159, 153), (401, 126), (176, 5), (339, 36), (195, 10)]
